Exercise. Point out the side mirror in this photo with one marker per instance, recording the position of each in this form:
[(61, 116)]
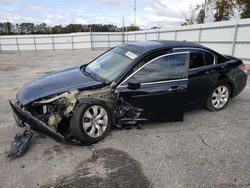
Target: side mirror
[(134, 85)]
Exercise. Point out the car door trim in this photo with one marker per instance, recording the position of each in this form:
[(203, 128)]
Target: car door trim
[(186, 48), (158, 82), (165, 55)]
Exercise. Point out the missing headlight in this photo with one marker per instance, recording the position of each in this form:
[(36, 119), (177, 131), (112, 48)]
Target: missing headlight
[(45, 109)]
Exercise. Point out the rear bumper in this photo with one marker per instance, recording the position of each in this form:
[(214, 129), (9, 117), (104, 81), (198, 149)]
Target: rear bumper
[(240, 84), (24, 119)]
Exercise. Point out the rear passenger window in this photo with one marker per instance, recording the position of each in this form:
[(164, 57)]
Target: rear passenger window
[(221, 59), (209, 58), (196, 59)]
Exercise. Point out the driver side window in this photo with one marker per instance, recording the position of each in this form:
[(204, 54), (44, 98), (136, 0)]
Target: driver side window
[(168, 67)]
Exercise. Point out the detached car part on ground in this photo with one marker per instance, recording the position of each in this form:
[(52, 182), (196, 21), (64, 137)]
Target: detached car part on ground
[(130, 84)]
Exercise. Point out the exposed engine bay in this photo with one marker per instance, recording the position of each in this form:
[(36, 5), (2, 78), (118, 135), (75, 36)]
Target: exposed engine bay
[(52, 111)]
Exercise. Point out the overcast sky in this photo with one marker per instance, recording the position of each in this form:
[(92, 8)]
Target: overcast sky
[(54, 12)]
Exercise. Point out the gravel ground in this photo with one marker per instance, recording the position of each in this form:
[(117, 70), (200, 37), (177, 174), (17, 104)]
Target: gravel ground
[(206, 150)]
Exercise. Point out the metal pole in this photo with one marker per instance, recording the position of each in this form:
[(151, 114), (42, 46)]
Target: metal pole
[(205, 9), (72, 42), (35, 43), (175, 35), (123, 30), (135, 12), (1, 47), (90, 35), (17, 45), (53, 43), (145, 35), (158, 35), (234, 39), (135, 36), (199, 39), (83, 41), (108, 41)]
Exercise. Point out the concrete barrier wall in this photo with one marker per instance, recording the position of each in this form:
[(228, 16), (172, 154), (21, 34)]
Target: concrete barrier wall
[(230, 37)]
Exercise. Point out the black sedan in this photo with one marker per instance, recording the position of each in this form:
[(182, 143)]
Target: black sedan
[(130, 84)]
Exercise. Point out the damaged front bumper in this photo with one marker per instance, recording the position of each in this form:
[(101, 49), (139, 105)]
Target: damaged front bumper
[(24, 118)]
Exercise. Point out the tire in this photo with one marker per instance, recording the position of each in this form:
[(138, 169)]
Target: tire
[(219, 97), (85, 125)]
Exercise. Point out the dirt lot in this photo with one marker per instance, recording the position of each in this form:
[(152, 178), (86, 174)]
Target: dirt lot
[(206, 150)]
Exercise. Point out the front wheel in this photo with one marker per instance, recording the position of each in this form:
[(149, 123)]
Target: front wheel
[(91, 122), (219, 97)]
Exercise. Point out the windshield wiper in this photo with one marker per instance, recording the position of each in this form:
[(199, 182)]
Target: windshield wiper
[(83, 69)]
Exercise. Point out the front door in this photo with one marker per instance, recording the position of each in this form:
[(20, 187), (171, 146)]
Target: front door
[(158, 88)]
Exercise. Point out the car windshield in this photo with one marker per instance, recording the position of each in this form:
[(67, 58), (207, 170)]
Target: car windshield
[(109, 65)]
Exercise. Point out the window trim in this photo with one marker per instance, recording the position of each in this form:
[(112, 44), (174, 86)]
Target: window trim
[(165, 55), (203, 50), (211, 54), (158, 82)]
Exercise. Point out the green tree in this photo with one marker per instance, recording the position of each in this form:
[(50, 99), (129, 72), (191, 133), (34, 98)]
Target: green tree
[(27, 28), (57, 29), (224, 10), (1, 28), (42, 29), (132, 28), (103, 28), (200, 18), (73, 28), (244, 7), (7, 28)]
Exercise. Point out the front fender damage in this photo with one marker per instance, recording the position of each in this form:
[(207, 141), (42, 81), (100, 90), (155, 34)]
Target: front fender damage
[(62, 104), (50, 115), (22, 141)]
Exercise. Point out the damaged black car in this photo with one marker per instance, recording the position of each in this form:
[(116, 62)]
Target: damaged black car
[(130, 84)]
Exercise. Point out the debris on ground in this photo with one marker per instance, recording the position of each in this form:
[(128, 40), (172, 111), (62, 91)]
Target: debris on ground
[(94, 155), (203, 141), (21, 144)]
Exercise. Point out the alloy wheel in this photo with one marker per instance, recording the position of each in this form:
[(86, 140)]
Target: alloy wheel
[(220, 97), (95, 121)]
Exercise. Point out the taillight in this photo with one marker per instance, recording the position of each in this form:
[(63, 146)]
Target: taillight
[(243, 67)]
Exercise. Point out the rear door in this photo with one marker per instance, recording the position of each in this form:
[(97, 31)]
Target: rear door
[(163, 87), (203, 74)]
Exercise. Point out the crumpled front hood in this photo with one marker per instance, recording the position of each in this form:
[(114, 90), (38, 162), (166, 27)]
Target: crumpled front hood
[(55, 83)]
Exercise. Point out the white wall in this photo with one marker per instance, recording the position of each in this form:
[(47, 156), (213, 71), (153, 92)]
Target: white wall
[(231, 37)]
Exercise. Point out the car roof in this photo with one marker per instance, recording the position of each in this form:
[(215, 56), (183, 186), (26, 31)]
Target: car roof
[(147, 46)]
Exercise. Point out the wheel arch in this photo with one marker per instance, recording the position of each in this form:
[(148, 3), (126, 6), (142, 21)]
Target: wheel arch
[(75, 124), (231, 85), (221, 82), (90, 101)]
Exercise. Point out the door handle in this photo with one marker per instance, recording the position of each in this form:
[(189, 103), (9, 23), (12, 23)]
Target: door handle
[(210, 71), (175, 88)]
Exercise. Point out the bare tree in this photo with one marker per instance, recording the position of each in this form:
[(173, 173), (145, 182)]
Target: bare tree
[(200, 18), (190, 19)]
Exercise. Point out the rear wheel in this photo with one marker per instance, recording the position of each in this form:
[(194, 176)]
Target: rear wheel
[(91, 122), (219, 97)]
